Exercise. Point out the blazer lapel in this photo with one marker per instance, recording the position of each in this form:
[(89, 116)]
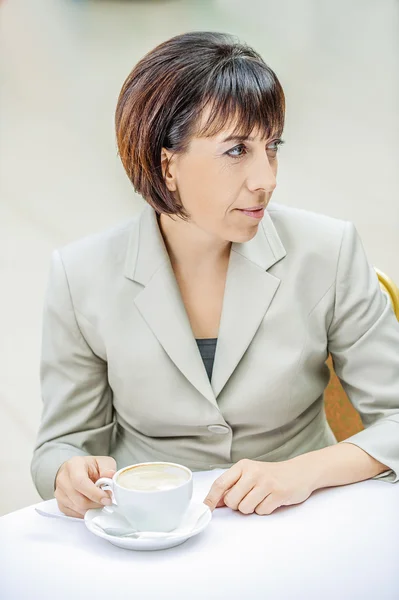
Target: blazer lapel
[(160, 302), (248, 293)]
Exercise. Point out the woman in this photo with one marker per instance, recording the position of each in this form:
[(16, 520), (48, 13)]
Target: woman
[(198, 332)]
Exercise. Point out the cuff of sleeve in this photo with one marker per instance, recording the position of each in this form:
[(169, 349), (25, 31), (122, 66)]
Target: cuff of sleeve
[(46, 463), (387, 476), (379, 441)]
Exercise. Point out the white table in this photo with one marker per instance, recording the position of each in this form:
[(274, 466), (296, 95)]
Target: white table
[(341, 544)]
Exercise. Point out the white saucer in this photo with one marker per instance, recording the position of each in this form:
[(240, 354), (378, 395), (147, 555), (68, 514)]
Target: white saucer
[(146, 544)]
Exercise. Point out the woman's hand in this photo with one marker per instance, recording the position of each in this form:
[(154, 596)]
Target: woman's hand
[(75, 491), (253, 486)]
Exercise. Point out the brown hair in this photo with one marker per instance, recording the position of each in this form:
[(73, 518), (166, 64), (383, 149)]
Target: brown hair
[(161, 100)]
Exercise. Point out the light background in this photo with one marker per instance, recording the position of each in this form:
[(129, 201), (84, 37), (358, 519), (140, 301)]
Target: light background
[(62, 66)]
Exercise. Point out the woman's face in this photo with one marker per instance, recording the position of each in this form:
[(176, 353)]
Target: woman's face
[(216, 178)]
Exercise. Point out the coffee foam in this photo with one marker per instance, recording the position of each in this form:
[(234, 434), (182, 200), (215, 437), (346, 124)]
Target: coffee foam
[(151, 478)]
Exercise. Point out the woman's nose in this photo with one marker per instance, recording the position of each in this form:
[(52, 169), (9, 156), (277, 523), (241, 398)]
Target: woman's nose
[(262, 175)]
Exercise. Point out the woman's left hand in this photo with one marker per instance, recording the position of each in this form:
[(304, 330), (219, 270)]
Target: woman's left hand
[(261, 487)]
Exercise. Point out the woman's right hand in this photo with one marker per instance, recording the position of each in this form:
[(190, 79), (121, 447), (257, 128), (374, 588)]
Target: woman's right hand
[(75, 491)]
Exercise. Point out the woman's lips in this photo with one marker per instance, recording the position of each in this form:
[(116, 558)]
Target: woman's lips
[(255, 214)]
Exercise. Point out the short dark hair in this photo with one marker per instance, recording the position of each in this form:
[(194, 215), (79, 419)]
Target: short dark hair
[(161, 101)]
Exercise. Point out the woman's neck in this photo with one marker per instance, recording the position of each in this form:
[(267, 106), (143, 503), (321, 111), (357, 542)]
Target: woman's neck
[(190, 248)]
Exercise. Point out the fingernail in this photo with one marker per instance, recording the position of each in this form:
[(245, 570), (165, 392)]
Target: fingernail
[(106, 501)]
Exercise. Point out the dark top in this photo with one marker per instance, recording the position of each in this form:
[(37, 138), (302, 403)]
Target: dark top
[(207, 348)]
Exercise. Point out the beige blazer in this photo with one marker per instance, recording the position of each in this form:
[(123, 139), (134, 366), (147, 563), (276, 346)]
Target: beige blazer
[(122, 375)]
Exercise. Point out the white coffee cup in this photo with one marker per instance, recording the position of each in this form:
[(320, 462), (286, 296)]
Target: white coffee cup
[(158, 495)]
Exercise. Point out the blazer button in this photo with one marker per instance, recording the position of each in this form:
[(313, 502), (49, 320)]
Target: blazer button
[(218, 428)]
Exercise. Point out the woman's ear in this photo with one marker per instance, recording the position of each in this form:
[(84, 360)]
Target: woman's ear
[(168, 164)]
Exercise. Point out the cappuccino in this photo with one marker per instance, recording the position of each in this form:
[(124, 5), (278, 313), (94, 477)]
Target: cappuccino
[(152, 478), (152, 496)]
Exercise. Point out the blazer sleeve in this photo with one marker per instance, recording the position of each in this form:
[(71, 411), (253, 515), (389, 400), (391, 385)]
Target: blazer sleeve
[(363, 340), (77, 416)]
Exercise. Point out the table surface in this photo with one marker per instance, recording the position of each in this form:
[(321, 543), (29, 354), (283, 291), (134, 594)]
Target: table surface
[(341, 544)]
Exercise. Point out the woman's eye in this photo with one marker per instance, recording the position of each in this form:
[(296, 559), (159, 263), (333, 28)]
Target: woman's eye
[(274, 146), (238, 148), (241, 150)]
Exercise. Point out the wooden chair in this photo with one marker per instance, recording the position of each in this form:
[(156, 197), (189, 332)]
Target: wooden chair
[(342, 417)]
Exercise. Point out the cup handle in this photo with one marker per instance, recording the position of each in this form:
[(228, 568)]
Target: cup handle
[(106, 483)]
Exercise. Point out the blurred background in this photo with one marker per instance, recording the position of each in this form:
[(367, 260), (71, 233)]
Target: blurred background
[(63, 63)]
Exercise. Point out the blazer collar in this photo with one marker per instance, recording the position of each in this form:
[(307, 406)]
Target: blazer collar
[(248, 294)]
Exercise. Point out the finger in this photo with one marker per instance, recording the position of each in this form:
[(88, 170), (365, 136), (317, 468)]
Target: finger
[(108, 493), (222, 484), (269, 504), (252, 500), (81, 482), (220, 503), (76, 502), (239, 491), (81, 503), (65, 504)]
